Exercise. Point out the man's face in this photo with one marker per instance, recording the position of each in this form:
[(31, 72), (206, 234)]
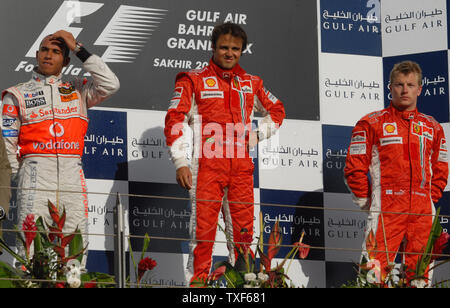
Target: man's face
[(228, 51), (405, 89), (50, 58)]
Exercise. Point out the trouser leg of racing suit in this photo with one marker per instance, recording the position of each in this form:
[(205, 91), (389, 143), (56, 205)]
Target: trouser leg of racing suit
[(41, 180), (419, 229), (395, 224), (214, 176)]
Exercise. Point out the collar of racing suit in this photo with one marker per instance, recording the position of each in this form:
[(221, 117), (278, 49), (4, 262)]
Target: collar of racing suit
[(405, 115), (46, 79), (227, 74)]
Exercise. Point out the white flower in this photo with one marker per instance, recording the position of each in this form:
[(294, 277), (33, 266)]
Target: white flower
[(73, 273), (263, 277), (419, 283), (73, 282), (250, 277)]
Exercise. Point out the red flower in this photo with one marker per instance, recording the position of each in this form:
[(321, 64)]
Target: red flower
[(275, 240), (244, 241), (371, 245), (219, 272), (59, 221), (439, 245), (303, 250), (60, 285), (146, 264), (90, 285), (29, 228)]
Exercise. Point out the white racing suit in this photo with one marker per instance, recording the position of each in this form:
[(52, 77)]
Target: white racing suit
[(44, 125)]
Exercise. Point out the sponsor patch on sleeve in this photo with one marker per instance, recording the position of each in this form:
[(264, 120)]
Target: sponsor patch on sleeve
[(177, 93), (358, 137), (443, 151), (10, 110), (358, 149), (270, 96), (8, 122), (174, 103), (8, 133)]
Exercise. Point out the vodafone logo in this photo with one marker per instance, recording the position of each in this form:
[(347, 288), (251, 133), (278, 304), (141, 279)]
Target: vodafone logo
[(56, 129), (10, 110)]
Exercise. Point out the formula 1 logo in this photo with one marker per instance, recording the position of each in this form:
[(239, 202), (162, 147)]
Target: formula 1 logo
[(125, 35)]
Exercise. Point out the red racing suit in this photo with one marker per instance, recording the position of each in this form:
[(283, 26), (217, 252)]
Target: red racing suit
[(406, 156), (207, 128), (44, 124)]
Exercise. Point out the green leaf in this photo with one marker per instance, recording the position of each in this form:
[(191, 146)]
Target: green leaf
[(12, 253), (425, 259), (145, 247), (234, 278), (104, 280), (38, 243), (76, 245), (42, 231), (132, 257), (6, 271)]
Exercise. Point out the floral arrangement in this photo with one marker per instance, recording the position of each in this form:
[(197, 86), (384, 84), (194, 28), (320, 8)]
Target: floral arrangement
[(372, 276), (48, 266), (245, 273), (144, 266)]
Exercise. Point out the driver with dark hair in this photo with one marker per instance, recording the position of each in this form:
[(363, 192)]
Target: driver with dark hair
[(44, 124), (217, 103)]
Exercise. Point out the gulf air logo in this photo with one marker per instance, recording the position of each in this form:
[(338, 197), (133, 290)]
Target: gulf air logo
[(56, 129)]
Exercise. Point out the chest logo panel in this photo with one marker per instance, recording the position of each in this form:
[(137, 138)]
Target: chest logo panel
[(210, 83), (421, 130), (243, 86), (390, 129)]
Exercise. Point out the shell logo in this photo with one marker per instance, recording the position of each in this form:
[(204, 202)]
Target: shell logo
[(211, 82), (389, 128)]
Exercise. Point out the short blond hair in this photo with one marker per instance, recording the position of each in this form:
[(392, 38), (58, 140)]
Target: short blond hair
[(406, 67)]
